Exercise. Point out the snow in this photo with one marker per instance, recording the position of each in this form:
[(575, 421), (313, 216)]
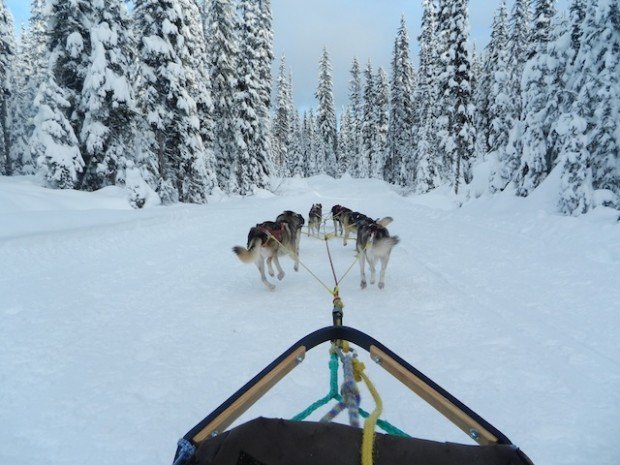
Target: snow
[(122, 328)]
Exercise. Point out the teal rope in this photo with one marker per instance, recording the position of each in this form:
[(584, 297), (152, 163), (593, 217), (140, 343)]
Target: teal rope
[(333, 390), (333, 394)]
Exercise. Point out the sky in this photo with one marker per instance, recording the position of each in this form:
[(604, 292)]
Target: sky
[(365, 29)]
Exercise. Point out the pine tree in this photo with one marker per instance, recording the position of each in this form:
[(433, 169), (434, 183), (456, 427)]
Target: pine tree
[(597, 86), (535, 159), (282, 122), (296, 165), (7, 50), (223, 51), (576, 171), (106, 99), (68, 32), (369, 126), (28, 73), (356, 107), (326, 118), (382, 122), (461, 114), (425, 177), (253, 170), (199, 84), (53, 142), (402, 117), (173, 138)]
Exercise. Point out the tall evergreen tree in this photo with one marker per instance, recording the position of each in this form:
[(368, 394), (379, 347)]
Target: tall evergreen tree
[(535, 158), (68, 31), (356, 108), (282, 122), (223, 51), (174, 140), (28, 73), (326, 118), (6, 60), (369, 125), (401, 111), (106, 99), (461, 114), (426, 175), (53, 142), (253, 169), (382, 122)]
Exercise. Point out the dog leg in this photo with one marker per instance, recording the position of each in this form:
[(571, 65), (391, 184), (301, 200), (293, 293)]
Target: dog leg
[(279, 268), (384, 263), (372, 264), (297, 241), (261, 269), (362, 259), (346, 235), (270, 266)]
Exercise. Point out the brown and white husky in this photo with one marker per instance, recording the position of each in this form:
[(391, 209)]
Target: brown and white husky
[(268, 240), (351, 221), (374, 244)]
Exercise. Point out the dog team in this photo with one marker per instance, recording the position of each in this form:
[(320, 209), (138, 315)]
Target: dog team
[(268, 240)]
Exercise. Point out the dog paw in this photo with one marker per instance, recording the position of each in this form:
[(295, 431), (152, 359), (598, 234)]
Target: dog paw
[(381, 285), (296, 267), (280, 276), (271, 287), (271, 273), (363, 284)]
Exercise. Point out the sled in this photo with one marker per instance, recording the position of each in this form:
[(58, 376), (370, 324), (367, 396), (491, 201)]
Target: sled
[(265, 441)]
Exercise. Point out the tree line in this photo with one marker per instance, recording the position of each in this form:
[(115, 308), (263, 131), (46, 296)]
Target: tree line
[(175, 97)]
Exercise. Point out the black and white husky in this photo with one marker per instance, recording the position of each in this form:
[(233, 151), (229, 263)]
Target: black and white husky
[(374, 244)]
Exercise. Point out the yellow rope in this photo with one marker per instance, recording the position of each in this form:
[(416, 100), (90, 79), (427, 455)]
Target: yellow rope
[(370, 422)]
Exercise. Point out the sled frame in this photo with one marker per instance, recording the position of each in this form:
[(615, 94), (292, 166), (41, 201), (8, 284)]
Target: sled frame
[(445, 403)]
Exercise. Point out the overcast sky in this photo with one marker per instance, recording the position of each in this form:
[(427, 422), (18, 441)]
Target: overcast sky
[(365, 29)]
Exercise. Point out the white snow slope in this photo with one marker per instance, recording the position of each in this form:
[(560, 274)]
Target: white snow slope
[(121, 329)]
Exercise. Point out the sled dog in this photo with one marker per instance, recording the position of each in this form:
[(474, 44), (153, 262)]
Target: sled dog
[(374, 244), (337, 212), (264, 241), (351, 221), (315, 217), (295, 222)]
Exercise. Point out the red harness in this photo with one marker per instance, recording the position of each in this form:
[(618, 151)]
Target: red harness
[(276, 231)]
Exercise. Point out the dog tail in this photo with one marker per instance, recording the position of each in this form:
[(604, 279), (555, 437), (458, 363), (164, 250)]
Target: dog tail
[(385, 221), (248, 255), (384, 245)]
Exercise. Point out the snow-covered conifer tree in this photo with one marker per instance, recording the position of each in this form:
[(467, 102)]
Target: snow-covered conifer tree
[(597, 89), (426, 176), (326, 118), (282, 122), (369, 126), (165, 76), (382, 123), (402, 117), (6, 60), (253, 169), (535, 159), (53, 142), (223, 51), (106, 99), (356, 108), (459, 85), (28, 72)]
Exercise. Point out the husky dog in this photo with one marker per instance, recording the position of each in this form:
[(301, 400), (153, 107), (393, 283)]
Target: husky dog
[(351, 221), (374, 243), (337, 212), (264, 241), (314, 219), (295, 222)]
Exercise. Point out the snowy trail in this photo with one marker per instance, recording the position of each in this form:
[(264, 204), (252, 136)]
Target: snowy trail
[(120, 329)]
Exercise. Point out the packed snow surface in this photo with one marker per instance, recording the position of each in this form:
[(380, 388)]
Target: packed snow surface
[(121, 329)]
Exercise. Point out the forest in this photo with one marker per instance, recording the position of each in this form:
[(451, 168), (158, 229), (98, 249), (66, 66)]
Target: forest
[(176, 98)]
